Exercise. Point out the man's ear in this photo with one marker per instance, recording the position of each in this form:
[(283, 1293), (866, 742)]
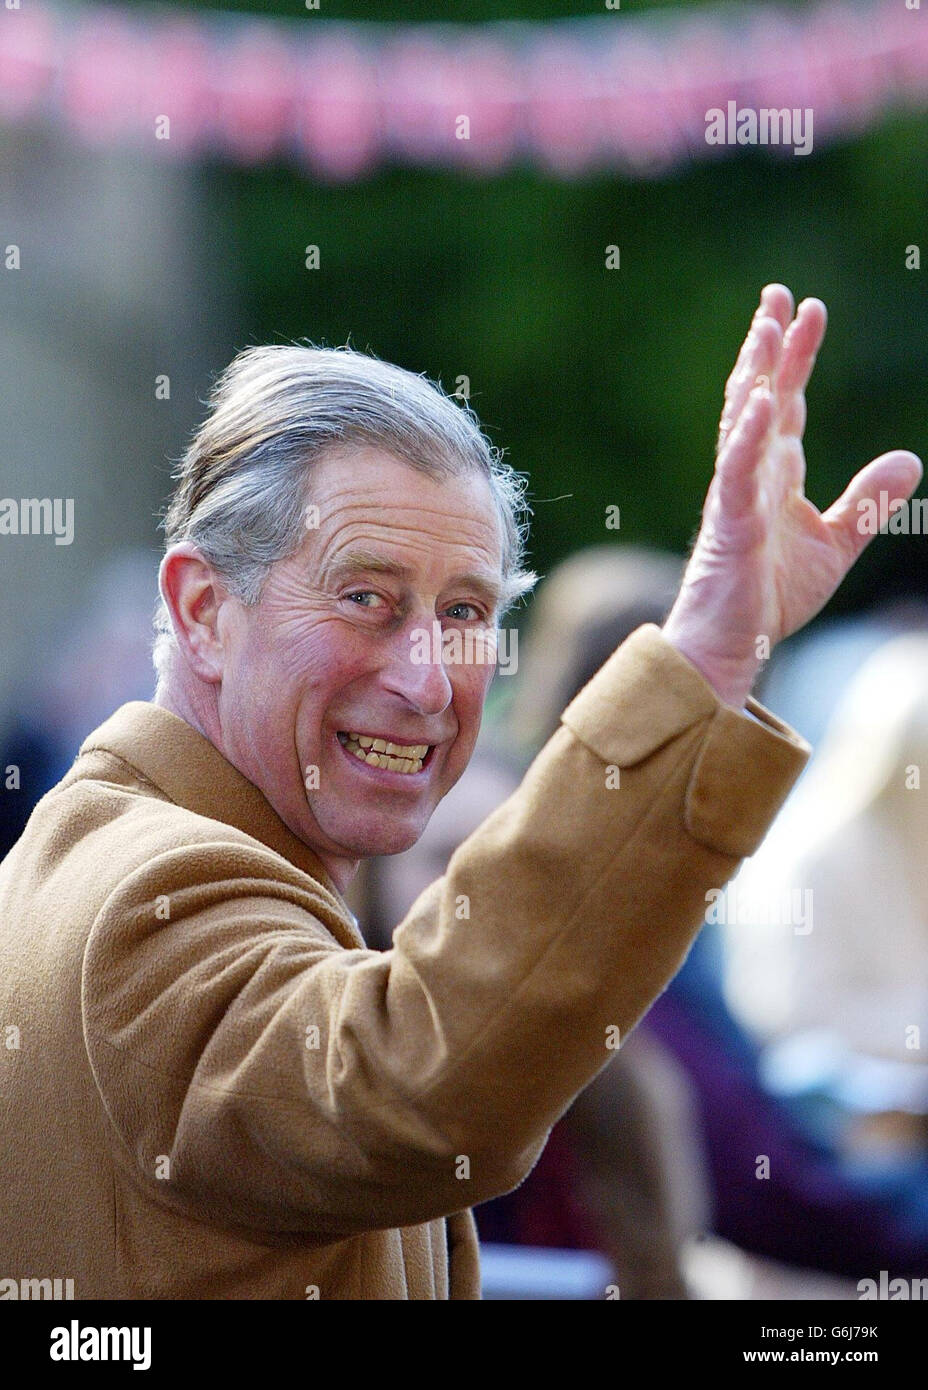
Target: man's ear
[(194, 594)]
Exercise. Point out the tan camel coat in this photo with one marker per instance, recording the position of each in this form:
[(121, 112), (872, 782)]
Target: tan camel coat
[(210, 1088)]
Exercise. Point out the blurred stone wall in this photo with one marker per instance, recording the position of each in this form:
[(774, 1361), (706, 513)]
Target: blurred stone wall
[(113, 290)]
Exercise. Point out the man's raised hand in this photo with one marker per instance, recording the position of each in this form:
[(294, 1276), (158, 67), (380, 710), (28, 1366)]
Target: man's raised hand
[(766, 561)]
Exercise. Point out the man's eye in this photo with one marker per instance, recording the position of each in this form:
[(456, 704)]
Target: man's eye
[(464, 612), (360, 598)]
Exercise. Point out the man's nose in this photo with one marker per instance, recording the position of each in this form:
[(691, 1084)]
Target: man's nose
[(416, 670)]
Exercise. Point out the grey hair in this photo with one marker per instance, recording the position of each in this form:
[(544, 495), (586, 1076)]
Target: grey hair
[(244, 483)]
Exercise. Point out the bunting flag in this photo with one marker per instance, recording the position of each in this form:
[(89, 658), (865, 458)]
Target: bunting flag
[(637, 94)]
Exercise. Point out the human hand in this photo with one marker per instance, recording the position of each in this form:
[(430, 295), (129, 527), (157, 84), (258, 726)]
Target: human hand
[(766, 560)]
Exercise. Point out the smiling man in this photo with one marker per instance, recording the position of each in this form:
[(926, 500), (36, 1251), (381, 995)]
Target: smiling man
[(319, 695), (215, 1090)]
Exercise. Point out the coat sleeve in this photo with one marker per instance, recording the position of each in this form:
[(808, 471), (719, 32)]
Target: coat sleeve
[(284, 1083)]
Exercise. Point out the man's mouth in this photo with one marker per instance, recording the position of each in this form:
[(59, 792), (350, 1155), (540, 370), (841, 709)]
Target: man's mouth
[(380, 752)]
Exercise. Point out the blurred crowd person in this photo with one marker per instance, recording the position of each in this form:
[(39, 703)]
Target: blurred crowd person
[(839, 1001), (98, 661)]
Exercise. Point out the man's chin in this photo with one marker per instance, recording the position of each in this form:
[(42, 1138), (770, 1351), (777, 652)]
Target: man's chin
[(369, 841)]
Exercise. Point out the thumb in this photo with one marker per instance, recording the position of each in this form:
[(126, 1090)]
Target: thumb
[(870, 498)]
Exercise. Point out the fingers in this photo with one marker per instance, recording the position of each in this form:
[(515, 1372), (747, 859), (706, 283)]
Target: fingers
[(781, 348), (758, 358), (801, 343), (758, 355), (896, 475), (777, 302), (738, 462)]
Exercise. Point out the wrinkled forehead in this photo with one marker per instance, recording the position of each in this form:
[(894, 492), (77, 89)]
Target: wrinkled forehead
[(372, 510)]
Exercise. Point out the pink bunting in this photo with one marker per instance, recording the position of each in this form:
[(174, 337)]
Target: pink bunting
[(617, 91)]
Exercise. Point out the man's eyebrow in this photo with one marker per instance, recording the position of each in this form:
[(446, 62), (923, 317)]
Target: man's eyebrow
[(350, 562), (356, 562)]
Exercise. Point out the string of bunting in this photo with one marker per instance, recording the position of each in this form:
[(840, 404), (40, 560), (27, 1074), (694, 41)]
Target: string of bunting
[(615, 92)]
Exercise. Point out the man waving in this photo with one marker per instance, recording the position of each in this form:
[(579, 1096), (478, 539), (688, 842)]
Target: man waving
[(218, 1091)]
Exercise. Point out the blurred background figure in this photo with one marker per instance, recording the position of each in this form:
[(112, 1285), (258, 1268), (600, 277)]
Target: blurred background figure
[(571, 612), (781, 1189), (99, 661), (841, 1000)]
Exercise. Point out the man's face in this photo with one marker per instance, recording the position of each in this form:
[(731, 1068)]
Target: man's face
[(331, 651)]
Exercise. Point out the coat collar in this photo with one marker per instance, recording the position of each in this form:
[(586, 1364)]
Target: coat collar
[(182, 763)]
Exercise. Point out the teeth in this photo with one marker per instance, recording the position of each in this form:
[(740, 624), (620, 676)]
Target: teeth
[(415, 750), (378, 752)]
